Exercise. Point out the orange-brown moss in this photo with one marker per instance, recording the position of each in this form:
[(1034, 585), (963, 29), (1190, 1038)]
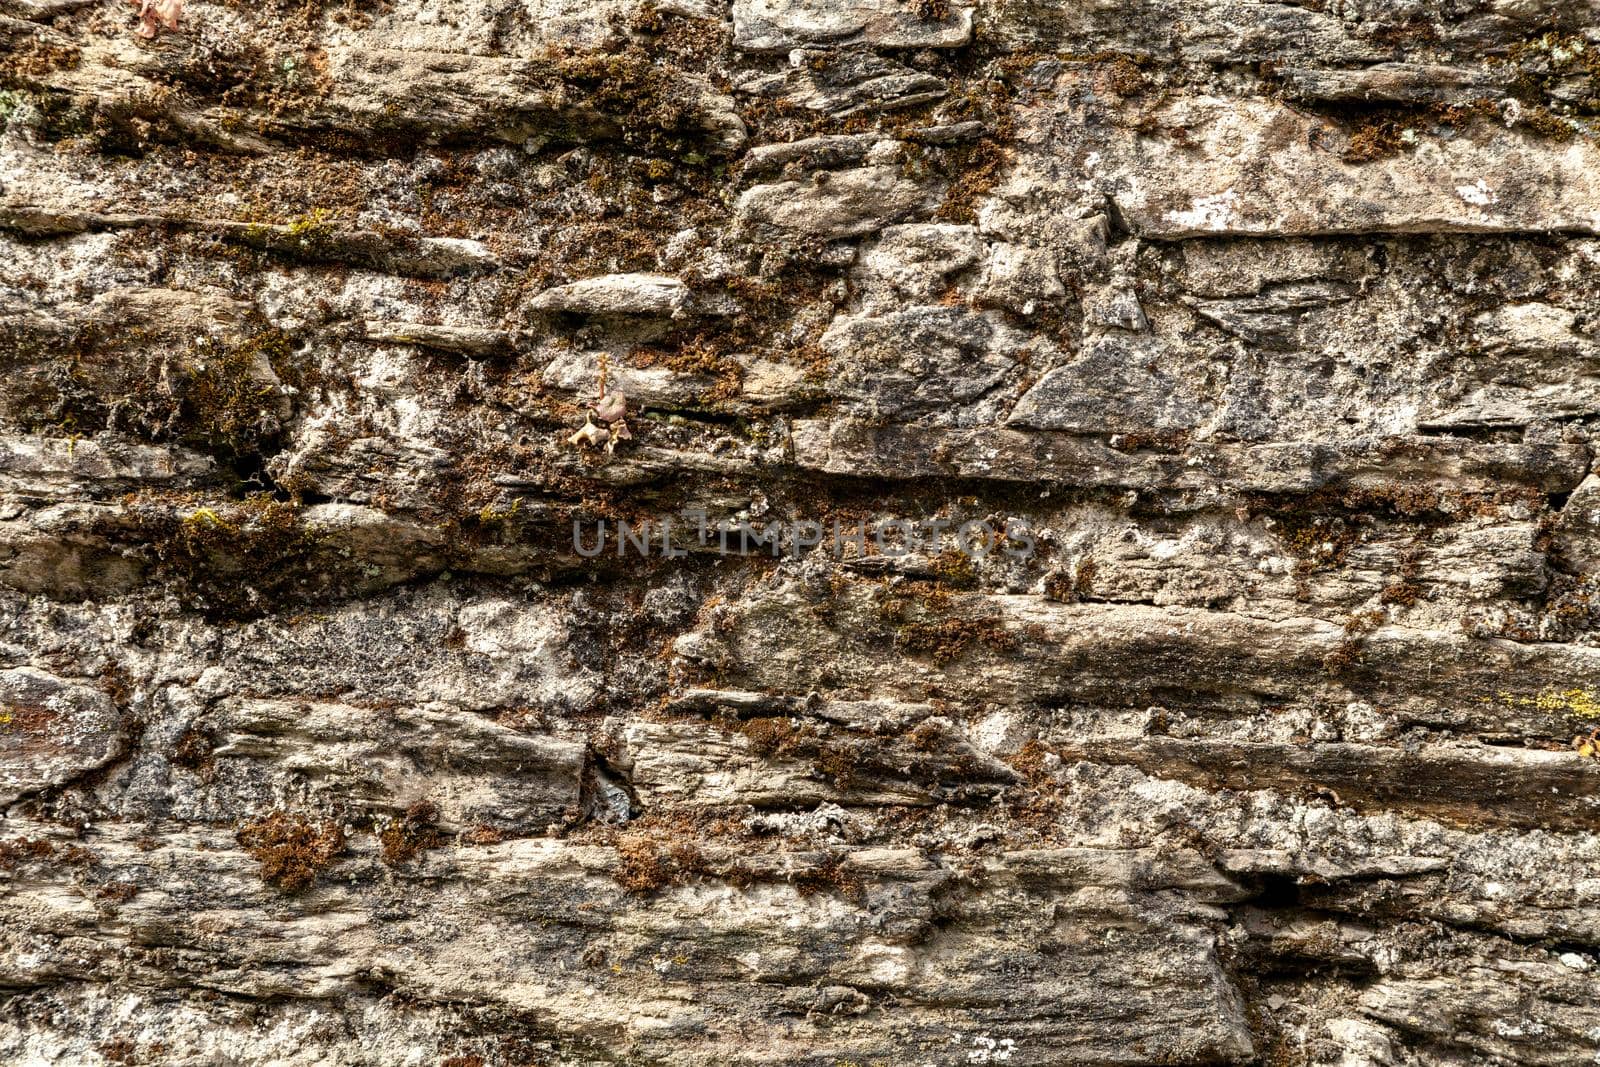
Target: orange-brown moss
[(1380, 132), (976, 167), (949, 639), (291, 849), (402, 839), (646, 863), (21, 849)]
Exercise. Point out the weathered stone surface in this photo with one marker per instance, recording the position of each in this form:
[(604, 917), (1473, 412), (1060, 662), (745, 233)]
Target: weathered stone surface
[(835, 204), (54, 467), (428, 256), (920, 360), (770, 25), (917, 259), (468, 340), (504, 29), (1273, 178), (1117, 384), (51, 731), (1226, 693), (1430, 464), (476, 771), (617, 294), (1406, 83), (849, 83), (1579, 526)]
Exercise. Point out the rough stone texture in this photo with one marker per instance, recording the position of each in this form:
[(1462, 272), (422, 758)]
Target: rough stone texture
[(1273, 326)]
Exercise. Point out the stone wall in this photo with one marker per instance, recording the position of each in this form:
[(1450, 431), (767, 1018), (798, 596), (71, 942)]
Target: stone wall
[(1270, 330)]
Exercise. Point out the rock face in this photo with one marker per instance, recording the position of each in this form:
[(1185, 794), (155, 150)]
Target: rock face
[(444, 450)]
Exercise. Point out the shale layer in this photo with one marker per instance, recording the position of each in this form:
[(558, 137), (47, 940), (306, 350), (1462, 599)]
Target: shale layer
[(1270, 330)]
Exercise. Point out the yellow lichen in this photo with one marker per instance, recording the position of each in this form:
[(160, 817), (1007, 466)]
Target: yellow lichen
[(312, 223), (1576, 703), (207, 517), (490, 514)]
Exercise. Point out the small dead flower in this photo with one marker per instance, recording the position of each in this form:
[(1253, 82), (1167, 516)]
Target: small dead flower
[(157, 15), (609, 409), (589, 434), (619, 432)]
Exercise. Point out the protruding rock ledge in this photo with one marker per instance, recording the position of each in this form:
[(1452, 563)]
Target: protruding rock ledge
[(60, 466), (464, 340), (477, 771), (776, 25), (1473, 785), (1105, 949), (836, 204), (859, 448), (1039, 653), (420, 256), (1272, 171), (617, 294)]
